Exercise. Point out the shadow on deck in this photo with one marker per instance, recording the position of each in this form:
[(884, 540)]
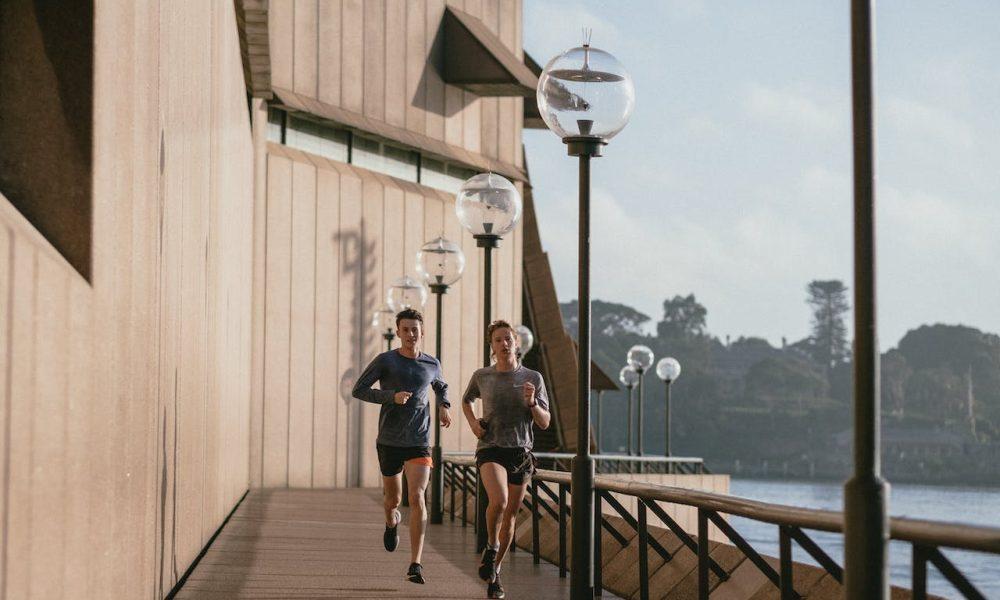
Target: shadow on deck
[(328, 544)]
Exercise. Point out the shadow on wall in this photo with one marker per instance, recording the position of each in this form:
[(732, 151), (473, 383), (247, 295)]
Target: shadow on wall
[(431, 91), (357, 271)]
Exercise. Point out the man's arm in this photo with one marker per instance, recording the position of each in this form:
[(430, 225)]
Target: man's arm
[(440, 388), (363, 386)]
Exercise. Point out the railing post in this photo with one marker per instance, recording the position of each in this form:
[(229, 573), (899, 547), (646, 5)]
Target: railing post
[(702, 554), (465, 496), (451, 489), (785, 559), (598, 543), (919, 582), (535, 541), (643, 551), (562, 530)]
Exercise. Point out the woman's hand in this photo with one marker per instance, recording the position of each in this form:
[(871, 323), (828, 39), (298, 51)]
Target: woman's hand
[(529, 394), (477, 429)]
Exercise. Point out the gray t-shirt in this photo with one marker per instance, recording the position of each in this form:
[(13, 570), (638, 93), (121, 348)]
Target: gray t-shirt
[(508, 420), (402, 425)]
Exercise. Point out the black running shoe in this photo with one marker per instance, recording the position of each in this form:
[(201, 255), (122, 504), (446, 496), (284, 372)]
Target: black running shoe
[(415, 574), (494, 589), (390, 539), (486, 565)]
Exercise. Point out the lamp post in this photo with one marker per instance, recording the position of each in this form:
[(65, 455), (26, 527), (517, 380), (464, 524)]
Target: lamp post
[(585, 97), (629, 379), (440, 263), (866, 524), (383, 320), (406, 292), (640, 358), (668, 369), (488, 206)]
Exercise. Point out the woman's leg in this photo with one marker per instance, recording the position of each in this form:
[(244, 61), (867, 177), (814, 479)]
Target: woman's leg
[(515, 496), (495, 481)]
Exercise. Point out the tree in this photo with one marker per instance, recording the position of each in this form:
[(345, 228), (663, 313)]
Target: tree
[(607, 318), (828, 300), (895, 372), (683, 318), (785, 382)]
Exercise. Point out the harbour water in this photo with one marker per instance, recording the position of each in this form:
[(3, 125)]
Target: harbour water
[(976, 506)]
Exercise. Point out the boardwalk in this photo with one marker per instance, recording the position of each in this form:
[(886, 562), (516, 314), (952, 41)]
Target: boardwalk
[(328, 544)]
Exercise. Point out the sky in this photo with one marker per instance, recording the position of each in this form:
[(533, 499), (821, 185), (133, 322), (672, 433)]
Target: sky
[(733, 178)]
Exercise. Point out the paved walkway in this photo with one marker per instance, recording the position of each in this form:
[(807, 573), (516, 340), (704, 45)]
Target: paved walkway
[(328, 544)]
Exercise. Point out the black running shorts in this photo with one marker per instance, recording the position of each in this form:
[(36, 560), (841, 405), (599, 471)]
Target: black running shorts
[(518, 462), (391, 458)]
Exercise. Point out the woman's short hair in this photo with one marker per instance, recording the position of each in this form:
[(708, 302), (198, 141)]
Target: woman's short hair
[(498, 324), (409, 313)]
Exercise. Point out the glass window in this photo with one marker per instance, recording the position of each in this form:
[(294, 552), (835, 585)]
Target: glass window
[(433, 174), (275, 121), (366, 153), (399, 162), (317, 138)]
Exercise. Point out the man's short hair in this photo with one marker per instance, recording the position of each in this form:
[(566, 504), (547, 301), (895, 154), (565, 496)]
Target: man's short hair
[(409, 313)]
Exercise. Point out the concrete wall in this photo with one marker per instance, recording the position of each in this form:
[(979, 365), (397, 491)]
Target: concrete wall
[(125, 399)]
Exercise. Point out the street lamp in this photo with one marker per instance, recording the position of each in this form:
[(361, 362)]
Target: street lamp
[(488, 206), (440, 263), (585, 97), (383, 320), (641, 359), (525, 340), (668, 369), (629, 379), (406, 292)]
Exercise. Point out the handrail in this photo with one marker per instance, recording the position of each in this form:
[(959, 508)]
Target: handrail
[(925, 536), (619, 457), (920, 531)]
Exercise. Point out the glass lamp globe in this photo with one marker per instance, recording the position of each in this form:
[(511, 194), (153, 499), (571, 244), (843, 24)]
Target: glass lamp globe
[(384, 319), (628, 376), (640, 358), (406, 292), (488, 204), (668, 369), (525, 339), (585, 92), (440, 262)]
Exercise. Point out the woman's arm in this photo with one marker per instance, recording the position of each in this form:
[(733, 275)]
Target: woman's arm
[(468, 399)]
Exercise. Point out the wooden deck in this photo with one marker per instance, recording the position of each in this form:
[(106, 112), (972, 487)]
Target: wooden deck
[(328, 544)]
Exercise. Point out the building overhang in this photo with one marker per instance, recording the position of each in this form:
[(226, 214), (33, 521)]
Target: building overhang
[(476, 60), (251, 21)]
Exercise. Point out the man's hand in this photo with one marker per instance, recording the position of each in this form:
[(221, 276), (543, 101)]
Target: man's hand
[(529, 394), (445, 417), (477, 429), (401, 397)]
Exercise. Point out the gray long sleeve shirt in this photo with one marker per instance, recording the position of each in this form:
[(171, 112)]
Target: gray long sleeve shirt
[(402, 425)]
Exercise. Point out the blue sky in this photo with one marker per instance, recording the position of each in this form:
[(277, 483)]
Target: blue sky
[(733, 178)]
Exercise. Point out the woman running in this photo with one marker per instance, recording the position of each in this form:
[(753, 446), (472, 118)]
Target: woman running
[(513, 398)]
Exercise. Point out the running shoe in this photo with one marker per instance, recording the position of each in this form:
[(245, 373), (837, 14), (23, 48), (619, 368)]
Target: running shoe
[(390, 539), (415, 573), (494, 589), (486, 565)]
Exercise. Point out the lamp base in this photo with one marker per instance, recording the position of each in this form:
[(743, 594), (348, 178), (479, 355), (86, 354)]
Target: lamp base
[(438, 288), (585, 145), (487, 240)]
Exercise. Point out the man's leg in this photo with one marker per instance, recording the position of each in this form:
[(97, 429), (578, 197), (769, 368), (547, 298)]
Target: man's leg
[(495, 481), (392, 495), (417, 476), (515, 495)]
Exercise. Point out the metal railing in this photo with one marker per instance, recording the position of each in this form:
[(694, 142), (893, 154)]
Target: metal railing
[(619, 463), (926, 537)]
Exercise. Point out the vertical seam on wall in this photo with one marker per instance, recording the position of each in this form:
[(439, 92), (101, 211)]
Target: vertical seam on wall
[(263, 351), (8, 393), (288, 370), (312, 444), (316, 52)]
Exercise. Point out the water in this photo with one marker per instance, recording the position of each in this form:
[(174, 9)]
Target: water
[(975, 506)]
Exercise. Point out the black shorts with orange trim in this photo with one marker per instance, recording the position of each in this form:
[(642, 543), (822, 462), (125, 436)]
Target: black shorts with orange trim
[(391, 458)]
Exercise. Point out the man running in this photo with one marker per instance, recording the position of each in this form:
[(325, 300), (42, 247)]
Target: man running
[(513, 399), (403, 442)]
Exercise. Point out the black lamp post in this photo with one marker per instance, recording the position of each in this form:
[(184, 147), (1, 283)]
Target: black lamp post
[(629, 379), (488, 206), (640, 358), (585, 97), (383, 321), (440, 263), (866, 526), (668, 369)]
